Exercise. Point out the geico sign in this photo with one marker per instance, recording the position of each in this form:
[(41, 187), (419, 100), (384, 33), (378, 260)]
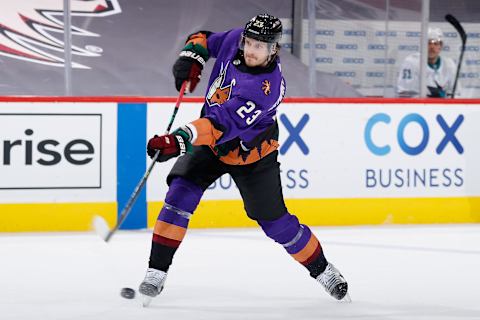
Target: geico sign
[(76, 152)]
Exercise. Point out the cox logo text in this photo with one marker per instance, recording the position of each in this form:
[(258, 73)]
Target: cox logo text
[(449, 134)]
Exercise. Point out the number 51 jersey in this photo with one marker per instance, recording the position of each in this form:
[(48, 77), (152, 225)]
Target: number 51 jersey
[(441, 76)]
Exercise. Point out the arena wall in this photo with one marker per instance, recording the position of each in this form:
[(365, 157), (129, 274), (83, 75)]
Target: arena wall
[(343, 162)]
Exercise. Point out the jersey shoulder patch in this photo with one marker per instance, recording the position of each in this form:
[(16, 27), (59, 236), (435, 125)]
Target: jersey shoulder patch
[(264, 89)]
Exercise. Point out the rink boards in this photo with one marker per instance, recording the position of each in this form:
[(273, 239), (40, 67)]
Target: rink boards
[(343, 162)]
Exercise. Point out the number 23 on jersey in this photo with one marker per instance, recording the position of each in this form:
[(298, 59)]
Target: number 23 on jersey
[(248, 112)]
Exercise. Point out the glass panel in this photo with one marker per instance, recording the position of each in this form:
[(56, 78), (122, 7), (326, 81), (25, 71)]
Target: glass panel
[(122, 47), (365, 43)]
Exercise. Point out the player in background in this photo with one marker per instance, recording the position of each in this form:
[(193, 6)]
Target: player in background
[(441, 71), (237, 133)]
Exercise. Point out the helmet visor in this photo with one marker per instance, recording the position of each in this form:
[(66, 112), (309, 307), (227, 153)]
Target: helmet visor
[(253, 45)]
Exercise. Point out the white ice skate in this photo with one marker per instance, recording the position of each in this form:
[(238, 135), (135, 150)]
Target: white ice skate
[(334, 283), (152, 285)]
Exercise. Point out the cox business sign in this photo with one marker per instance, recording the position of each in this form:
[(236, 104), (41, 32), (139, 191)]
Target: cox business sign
[(425, 151), (362, 150), (50, 151)]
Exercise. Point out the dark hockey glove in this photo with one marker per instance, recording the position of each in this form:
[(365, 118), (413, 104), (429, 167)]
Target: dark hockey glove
[(170, 145), (436, 92), (191, 61)]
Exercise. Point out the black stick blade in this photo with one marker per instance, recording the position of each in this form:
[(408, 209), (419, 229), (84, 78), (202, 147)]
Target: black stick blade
[(456, 24)]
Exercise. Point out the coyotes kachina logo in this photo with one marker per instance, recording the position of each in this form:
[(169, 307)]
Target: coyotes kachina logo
[(218, 93), (28, 27)]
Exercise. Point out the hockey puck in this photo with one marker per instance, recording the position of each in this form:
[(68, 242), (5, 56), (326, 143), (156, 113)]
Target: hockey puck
[(127, 293)]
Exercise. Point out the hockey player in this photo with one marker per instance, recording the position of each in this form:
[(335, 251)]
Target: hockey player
[(441, 71), (237, 134)]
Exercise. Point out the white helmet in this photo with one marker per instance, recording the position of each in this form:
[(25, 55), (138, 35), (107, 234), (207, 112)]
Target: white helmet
[(435, 34)]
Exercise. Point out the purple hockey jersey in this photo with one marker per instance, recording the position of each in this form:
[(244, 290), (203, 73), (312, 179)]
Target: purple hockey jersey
[(241, 102)]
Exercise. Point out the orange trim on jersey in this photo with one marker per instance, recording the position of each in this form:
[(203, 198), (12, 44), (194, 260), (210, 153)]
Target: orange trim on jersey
[(234, 157), (206, 132), (170, 231), (304, 254), (198, 38)]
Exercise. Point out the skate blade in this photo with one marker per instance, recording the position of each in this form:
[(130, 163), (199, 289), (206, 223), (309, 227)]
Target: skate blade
[(346, 299), (146, 301)]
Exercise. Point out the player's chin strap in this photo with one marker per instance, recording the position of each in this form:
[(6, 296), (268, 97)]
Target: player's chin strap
[(271, 56)]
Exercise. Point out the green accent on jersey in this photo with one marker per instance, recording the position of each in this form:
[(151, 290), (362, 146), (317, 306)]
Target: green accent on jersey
[(436, 65), (199, 49)]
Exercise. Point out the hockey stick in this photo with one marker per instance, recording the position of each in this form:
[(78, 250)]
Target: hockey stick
[(99, 223), (456, 24)]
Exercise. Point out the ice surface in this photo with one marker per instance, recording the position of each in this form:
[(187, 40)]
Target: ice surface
[(394, 272)]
